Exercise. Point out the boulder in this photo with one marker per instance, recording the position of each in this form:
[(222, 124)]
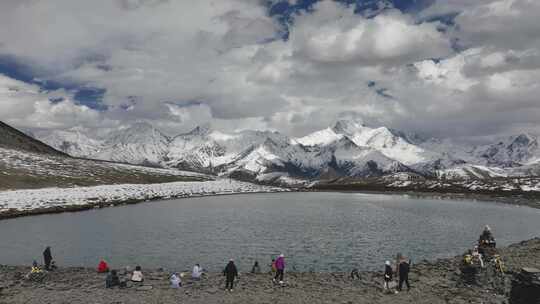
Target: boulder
[(526, 287)]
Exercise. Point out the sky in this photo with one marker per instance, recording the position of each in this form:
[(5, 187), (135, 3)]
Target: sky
[(454, 68)]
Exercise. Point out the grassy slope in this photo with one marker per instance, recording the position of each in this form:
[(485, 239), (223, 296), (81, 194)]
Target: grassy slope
[(23, 170)]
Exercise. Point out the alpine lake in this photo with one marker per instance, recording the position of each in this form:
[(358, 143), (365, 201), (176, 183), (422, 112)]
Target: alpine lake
[(322, 232)]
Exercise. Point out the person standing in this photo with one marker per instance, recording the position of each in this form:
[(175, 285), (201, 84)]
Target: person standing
[(47, 257), (280, 268), (230, 272), (404, 268), (387, 275)]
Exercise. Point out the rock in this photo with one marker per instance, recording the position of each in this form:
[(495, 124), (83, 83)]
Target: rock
[(526, 287), (145, 288)]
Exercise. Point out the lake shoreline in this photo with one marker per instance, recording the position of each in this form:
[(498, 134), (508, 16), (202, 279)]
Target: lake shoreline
[(28, 202), (504, 198), (436, 281), (11, 214), (517, 199)]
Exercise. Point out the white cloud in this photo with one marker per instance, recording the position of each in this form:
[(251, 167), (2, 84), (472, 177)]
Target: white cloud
[(24, 105), (333, 33), (182, 63)]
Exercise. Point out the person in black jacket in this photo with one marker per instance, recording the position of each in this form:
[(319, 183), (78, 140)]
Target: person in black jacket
[(47, 257), (388, 273), (404, 274), (230, 272)]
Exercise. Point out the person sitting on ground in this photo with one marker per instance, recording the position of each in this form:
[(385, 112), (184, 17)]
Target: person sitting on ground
[(197, 272), (256, 268), (468, 258), (35, 268), (137, 275), (102, 266), (476, 255), (387, 275), (230, 272), (36, 273), (112, 279), (176, 281), (355, 274), (486, 238)]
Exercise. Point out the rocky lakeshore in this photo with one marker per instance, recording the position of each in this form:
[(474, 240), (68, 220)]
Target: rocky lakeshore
[(432, 282)]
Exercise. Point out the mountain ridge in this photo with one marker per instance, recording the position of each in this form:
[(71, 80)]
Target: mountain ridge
[(346, 149), (12, 138)]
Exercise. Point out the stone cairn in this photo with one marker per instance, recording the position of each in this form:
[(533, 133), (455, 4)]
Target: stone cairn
[(526, 287)]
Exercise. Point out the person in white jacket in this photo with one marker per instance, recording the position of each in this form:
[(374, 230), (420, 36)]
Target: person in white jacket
[(197, 272), (137, 275), (176, 282)]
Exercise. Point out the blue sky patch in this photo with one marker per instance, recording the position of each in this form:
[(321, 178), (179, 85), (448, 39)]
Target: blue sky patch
[(88, 96), (91, 97)]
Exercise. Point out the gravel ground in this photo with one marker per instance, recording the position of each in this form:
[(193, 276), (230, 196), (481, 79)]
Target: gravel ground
[(432, 282)]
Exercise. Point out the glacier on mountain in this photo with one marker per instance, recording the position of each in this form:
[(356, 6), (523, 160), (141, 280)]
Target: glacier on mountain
[(347, 149)]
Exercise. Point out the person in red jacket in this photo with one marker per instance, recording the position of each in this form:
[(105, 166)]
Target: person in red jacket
[(102, 267)]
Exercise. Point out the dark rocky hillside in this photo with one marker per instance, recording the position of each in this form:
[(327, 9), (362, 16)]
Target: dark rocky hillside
[(11, 138)]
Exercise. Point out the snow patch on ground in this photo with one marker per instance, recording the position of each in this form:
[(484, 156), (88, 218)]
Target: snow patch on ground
[(52, 197)]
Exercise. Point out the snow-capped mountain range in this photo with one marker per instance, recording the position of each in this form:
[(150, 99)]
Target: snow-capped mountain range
[(347, 149)]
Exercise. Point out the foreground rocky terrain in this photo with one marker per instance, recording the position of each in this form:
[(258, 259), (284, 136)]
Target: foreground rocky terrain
[(432, 282)]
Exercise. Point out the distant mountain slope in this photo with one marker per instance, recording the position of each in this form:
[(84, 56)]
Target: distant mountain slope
[(347, 149), (29, 163), (12, 138), (23, 170), (73, 142), (512, 151), (140, 143)]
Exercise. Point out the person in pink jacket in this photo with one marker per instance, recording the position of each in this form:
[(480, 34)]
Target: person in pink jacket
[(280, 268)]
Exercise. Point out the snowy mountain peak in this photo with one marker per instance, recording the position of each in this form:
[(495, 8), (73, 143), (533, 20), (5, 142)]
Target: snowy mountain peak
[(347, 126), (348, 148), (199, 131), (140, 132), (511, 151), (322, 137), (73, 141), (524, 140)]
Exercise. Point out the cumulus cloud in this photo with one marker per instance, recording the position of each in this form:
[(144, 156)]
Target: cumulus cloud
[(26, 106), (182, 63), (333, 33)]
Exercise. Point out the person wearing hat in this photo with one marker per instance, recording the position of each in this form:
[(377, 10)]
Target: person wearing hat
[(280, 268), (230, 272), (387, 275)]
